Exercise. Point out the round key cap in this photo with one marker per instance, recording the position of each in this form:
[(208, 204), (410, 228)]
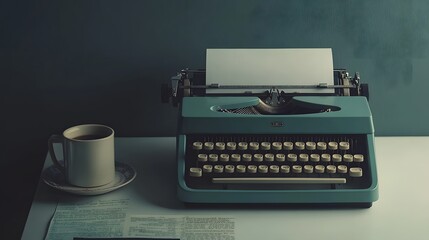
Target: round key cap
[(284, 169), (358, 158), (321, 146), (274, 169), (252, 169), (269, 157), (207, 168), (331, 169), (326, 157), (348, 158), (231, 145), (213, 157), (277, 146), (314, 157), (308, 169), (195, 172), (247, 157), (342, 169), (333, 145), (220, 146), (291, 157), (241, 168), (218, 168), (224, 157), (242, 146), (262, 168), (296, 169), (319, 169), (202, 157), (303, 157), (235, 157), (299, 145), (310, 145), (257, 157), (344, 146), (280, 157), (254, 146), (265, 145), (208, 146), (336, 158), (355, 172), (288, 145), (229, 168), (197, 145)]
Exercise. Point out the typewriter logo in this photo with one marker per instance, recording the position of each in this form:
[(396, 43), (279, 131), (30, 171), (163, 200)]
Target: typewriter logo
[(277, 124)]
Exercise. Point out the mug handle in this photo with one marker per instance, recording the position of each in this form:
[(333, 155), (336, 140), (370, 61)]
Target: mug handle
[(55, 139)]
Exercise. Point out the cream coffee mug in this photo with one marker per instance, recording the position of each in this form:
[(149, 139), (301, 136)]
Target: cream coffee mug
[(88, 153)]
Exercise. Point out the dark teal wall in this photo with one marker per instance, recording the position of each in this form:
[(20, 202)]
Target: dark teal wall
[(69, 62)]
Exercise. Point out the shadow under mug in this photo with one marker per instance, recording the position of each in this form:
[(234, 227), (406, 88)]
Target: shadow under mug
[(88, 154)]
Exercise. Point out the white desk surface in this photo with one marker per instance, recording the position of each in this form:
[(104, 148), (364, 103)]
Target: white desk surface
[(402, 211)]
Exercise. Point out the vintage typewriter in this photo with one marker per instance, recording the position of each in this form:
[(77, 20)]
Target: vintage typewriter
[(274, 146)]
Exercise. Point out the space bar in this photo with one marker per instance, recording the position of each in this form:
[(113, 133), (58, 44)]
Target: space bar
[(280, 180)]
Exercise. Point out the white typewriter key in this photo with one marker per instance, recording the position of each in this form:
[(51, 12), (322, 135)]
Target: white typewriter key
[(231, 145), (288, 145), (342, 169), (252, 169), (308, 169), (202, 157), (348, 158), (235, 157), (331, 169), (284, 169), (224, 157), (326, 157), (358, 158), (269, 157), (218, 168), (280, 157), (333, 145), (254, 146), (274, 169), (257, 157), (355, 172), (208, 146), (262, 168), (229, 168), (303, 157), (207, 168), (265, 145), (296, 169), (310, 145), (241, 168), (195, 172), (336, 158), (344, 146), (220, 146), (314, 157), (242, 146), (321, 146), (319, 169), (277, 146), (247, 157), (197, 145), (291, 157), (213, 157), (299, 146)]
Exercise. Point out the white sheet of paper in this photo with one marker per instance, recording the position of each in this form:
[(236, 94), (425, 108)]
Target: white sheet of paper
[(309, 66)]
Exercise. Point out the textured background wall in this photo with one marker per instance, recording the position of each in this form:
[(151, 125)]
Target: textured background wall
[(69, 62)]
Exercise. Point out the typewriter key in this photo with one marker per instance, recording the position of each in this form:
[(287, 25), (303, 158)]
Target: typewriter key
[(303, 157), (284, 168), (235, 157), (331, 169), (254, 146), (280, 157), (231, 145), (251, 169), (195, 172), (358, 158), (229, 168), (277, 146), (258, 157), (242, 146), (241, 168), (197, 145), (262, 168), (336, 158), (308, 169), (213, 157), (319, 169), (265, 146), (342, 169), (315, 157), (296, 169), (202, 157), (207, 168), (348, 158), (218, 169), (269, 157), (299, 145), (224, 157), (326, 157), (355, 172), (333, 145), (288, 145), (247, 157), (344, 146), (220, 146), (291, 157), (310, 145), (274, 169), (208, 146), (321, 146)]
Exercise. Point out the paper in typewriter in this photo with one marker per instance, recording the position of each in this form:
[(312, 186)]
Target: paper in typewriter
[(269, 67)]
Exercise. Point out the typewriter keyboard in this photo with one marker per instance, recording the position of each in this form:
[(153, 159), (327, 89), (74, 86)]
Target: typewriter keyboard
[(277, 162)]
